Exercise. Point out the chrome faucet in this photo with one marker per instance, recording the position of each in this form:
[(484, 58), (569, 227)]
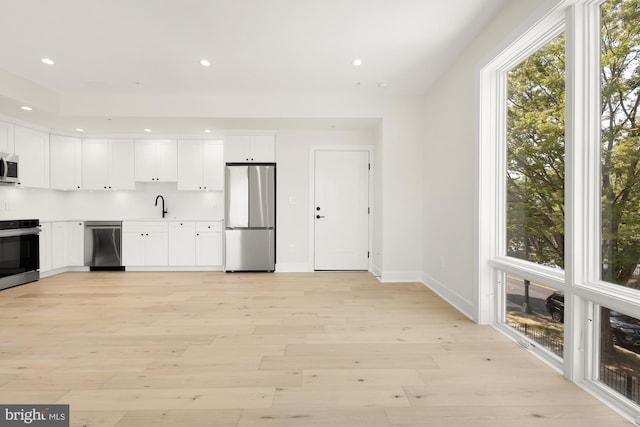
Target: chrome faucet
[(164, 211)]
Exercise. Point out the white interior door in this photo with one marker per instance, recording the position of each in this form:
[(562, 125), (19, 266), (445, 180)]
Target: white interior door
[(341, 210)]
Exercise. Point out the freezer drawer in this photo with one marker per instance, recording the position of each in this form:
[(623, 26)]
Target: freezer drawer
[(249, 250)]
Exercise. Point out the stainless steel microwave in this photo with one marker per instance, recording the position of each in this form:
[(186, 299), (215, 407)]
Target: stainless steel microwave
[(8, 168)]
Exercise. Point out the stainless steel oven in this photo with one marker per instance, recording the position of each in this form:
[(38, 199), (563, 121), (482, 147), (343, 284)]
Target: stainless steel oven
[(19, 252)]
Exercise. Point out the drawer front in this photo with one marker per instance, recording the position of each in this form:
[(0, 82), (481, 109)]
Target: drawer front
[(144, 227), (209, 227)]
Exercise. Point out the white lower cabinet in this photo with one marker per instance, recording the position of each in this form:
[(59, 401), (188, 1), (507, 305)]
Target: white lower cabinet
[(45, 247), (182, 244), (209, 243), (59, 245), (75, 243), (195, 243), (145, 243), (66, 245)]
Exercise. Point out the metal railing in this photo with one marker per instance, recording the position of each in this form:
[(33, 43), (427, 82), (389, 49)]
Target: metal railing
[(554, 345), (624, 383)]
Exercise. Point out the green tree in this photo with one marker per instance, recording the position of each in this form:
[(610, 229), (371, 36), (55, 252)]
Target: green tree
[(620, 151), (620, 80)]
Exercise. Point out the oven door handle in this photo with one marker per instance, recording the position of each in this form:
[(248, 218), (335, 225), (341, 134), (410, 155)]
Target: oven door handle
[(19, 232)]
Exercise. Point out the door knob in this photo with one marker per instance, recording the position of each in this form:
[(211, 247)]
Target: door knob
[(319, 216), (318, 208)]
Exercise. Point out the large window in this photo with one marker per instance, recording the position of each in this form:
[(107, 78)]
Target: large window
[(535, 156), (559, 194), (620, 141), (536, 312), (620, 353)]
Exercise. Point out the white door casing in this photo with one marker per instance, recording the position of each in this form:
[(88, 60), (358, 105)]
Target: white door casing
[(341, 209)]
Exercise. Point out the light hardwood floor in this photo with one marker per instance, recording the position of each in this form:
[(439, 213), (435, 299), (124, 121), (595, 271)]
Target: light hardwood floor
[(219, 350)]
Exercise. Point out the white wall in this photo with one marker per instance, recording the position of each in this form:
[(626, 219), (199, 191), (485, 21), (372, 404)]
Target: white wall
[(50, 205), (402, 136), (450, 172)]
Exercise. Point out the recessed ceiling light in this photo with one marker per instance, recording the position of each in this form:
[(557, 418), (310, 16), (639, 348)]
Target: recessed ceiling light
[(205, 63), (26, 108), (147, 130), (383, 85), (47, 61), (207, 131), (79, 130), (357, 62)]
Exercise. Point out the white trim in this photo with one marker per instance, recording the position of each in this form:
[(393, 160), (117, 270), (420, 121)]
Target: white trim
[(461, 304), (312, 174), (491, 157), (173, 268), (293, 267), (399, 276)]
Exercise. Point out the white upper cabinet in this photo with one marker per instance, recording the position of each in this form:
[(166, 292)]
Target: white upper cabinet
[(156, 160), (6, 138), (108, 164), (33, 148), (250, 149), (66, 162), (122, 165), (95, 167), (200, 165)]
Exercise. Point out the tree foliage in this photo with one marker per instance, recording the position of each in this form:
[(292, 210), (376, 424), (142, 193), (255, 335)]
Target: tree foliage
[(535, 156), (620, 94)]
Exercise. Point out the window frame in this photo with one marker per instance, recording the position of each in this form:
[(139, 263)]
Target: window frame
[(581, 282)]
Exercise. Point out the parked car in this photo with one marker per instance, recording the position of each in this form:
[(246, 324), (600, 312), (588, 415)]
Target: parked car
[(555, 306), (625, 330)]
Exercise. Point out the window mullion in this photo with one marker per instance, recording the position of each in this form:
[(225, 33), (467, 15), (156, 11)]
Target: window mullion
[(582, 175)]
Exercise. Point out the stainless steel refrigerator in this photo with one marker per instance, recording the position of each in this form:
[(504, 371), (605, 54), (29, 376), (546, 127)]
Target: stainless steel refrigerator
[(250, 217)]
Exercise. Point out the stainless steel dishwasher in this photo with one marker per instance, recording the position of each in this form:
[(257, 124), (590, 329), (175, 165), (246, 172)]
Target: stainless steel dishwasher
[(103, 245)]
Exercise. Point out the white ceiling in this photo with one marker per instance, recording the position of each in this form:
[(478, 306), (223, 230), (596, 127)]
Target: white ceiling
[(153, 47)]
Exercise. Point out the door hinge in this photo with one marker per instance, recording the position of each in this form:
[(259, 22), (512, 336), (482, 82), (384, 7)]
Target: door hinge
[(367, 254), (369, 165), (369, 210)]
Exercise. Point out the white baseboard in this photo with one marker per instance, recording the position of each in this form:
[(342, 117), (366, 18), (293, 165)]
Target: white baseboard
[(461, 304), (293, 267), (174, 268), (399, 276)]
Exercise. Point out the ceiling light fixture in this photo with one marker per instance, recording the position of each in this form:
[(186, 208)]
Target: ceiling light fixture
[(205, 63), (383, 85), (357, 62), (147, 130), (79, 130), (26, 108), (207, 131), (47, 61)]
